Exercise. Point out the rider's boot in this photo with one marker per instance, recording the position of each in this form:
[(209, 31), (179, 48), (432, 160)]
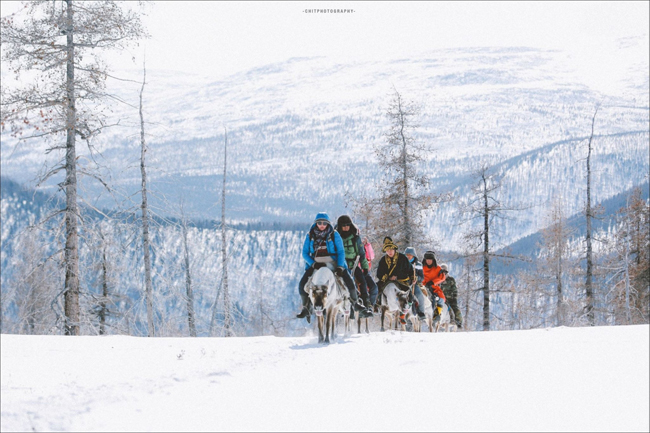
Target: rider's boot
[(367, 311), (380, 293), (305, 313)]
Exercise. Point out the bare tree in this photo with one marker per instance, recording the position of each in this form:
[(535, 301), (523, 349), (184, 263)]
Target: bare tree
[(629, 266), (404, 194), (35, 278), (102, 310), (191, 320), (145, 219), (224, 251), (589, 214), (102, 254), (58, 41), (555, 245), (486, 206)]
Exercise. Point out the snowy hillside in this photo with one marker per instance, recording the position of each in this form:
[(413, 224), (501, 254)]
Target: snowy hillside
[(301, 133), (562, 379)]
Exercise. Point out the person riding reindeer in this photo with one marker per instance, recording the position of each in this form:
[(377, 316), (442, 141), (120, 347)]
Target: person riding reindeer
[(410, 254), (355, 257), (393, 267), (451, 294), (323, 244), (433, 276)]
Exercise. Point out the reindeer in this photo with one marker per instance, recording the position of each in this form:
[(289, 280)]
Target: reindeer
[(346, 310), (446, 319), (327, 297), (394, 301), (428, 312), (354, 315)]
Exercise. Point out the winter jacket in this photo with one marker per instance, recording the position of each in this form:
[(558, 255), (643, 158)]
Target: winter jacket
[(334, 248), (434, 275), (370, 254), (449, 289), (353, 247), (402, 269), (417, 267)]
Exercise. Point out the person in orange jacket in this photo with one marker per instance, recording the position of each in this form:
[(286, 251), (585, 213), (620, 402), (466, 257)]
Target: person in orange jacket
[(433, 276)]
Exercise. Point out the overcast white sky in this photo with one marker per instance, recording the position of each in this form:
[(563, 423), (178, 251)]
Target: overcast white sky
[(219, 38), (223, 37)]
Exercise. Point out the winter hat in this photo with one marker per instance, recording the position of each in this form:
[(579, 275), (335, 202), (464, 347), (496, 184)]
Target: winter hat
[(344, 220), (429, 255), (389, 244), (322, 216), (411, 251), (444, 267)]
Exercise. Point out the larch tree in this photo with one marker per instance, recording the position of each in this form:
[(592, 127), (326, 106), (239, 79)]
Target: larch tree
[(54, 47), (224, 246), (189, 292), (486, 206), (589, 215), (403, 194), (555, 262), (144, 206), (222, 289), (629, 265)]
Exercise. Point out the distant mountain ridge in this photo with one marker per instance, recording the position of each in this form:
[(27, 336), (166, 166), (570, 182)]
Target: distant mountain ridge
[(301, 132)]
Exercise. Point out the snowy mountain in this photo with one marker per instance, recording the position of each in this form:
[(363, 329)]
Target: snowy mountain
[(561, 379), (300, 137), (301, 132)]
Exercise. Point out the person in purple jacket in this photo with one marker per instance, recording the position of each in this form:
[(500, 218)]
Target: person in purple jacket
[(323, 243)]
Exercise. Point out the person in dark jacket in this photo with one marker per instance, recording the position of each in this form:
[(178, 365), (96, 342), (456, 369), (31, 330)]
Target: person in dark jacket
[(393, 267), (410, 254), (324, 244), (451, 293), (355, 257)]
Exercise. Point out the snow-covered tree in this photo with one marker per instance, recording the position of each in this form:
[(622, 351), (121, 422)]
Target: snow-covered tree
[(628, 268), (403, 194), (485, 205), (59, 44)]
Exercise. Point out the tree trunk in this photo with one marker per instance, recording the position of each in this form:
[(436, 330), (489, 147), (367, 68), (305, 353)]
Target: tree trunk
[(71, 297), (589, 307), (224, 255), (486, 259), (104, 299), (188, 285), (408, 235), (145, 221), (468, 296), (558, 281)]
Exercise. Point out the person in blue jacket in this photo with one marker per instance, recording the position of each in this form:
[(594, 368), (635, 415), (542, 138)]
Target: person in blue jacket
[(324, 244)]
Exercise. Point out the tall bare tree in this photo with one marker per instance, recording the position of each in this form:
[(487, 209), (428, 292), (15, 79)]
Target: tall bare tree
[(629, 266), (224, 246), (59, 42), (191, 319), (403, 195), (589, 214), (555, 244), (145, 218), (486, 206)]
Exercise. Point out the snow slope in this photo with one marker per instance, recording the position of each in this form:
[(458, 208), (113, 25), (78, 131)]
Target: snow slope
[(566, 379)]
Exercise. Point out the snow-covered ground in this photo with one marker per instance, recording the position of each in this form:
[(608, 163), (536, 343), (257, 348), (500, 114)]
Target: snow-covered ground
[(561, 379)]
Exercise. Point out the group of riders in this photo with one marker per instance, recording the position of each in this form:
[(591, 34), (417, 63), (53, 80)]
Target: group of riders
[(352, 257)]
